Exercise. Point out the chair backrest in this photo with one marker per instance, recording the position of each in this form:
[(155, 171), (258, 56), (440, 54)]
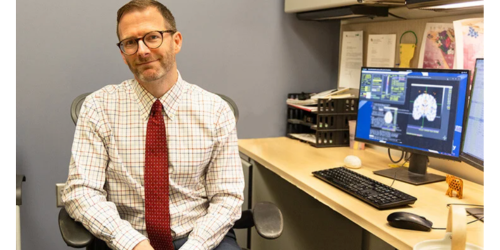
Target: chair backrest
[(232, 105), (77, 105), (78, 101)]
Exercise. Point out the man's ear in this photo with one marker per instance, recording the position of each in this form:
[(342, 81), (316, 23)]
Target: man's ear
[(177, 42)]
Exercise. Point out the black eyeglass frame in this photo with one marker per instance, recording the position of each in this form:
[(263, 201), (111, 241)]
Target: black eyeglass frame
[(142, 38)]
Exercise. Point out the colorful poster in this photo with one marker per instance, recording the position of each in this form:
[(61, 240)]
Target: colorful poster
[(470, 42), (438, 47)]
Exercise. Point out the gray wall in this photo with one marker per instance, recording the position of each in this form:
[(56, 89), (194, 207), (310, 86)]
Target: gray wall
[(249, 50)]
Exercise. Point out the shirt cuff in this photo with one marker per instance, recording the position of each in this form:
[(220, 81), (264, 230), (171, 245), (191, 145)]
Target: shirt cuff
[(193, 244), (127, 238)]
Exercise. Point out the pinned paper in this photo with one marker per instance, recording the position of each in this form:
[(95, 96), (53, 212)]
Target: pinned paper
[(351, 60), (381, 50)]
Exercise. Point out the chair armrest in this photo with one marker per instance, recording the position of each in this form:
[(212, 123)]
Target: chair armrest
[(246, 220), (268, 220), (73, 232), (19, 184)]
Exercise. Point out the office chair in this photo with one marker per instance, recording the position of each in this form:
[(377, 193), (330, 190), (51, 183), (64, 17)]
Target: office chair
[(265, 216), (19, 201)]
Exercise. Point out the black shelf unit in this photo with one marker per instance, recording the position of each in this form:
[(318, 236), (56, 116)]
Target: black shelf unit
[(329, 124)]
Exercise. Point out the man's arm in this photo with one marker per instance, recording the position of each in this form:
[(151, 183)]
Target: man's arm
[(224, 186), (84, 195)]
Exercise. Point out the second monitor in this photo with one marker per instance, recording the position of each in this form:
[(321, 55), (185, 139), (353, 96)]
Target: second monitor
[(415, 110)]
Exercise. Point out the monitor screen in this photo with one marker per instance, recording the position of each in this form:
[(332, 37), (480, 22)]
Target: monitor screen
[(415, 110), (473, 142)]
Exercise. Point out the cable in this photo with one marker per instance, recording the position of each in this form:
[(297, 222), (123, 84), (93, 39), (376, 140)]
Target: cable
[(407, 158), (470, 222), (390, 157), (474, 220), (395, 172), (396, 16), (462, 204)]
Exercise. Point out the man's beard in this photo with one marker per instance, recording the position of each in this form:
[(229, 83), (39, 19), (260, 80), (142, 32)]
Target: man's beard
[(166, 64)]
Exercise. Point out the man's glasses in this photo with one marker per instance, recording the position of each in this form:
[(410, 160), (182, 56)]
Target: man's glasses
[(152, 40)]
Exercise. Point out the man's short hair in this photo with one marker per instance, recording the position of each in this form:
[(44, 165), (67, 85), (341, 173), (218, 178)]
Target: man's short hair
[(142, 5)]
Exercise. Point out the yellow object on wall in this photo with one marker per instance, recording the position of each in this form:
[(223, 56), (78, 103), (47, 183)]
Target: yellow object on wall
[(406, 51)]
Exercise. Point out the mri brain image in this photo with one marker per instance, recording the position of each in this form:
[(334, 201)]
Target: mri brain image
[(425, 105), (388, 117)]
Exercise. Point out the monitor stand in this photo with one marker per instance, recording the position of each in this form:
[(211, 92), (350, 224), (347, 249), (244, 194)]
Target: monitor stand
[(416, 174)]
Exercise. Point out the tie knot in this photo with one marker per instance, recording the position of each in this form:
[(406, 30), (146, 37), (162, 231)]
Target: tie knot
[(157, 107)]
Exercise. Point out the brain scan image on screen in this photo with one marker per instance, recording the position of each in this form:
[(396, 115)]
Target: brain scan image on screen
[(388, 117), (426, 111), (424, 105)]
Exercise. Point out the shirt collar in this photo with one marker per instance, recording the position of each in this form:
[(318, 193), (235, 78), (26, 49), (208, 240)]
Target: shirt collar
[(169, 100)]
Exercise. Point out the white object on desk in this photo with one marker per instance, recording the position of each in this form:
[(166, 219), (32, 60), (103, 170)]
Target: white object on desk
[(352, 161)]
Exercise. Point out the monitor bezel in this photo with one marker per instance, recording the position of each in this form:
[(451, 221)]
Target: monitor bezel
[(407, 149), (467, 158)]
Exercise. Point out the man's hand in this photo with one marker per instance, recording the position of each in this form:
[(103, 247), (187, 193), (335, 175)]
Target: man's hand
[(143, 245)]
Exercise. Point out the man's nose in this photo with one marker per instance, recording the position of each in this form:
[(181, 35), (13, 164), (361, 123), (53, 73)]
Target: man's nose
[(142, 48)]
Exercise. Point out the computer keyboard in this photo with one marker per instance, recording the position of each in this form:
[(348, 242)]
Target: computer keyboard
[(366, 189)]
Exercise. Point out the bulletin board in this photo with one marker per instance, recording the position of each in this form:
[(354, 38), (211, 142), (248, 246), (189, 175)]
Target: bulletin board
[(398, 27)]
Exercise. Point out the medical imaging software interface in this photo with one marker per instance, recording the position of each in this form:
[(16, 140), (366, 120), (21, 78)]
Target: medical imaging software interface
[(474, 136), (413, 109)]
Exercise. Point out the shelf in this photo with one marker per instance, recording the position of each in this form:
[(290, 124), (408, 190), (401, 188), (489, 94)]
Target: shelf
[(411, 14), (297, 121), (315, 127)]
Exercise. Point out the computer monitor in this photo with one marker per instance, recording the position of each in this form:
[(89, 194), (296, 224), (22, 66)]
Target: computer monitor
[(415, 110), (472, 151)]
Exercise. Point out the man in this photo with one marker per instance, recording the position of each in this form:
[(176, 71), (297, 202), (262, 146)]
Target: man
[(155, 161)]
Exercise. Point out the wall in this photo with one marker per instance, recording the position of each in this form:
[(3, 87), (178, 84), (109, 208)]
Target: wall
[(249, 50)]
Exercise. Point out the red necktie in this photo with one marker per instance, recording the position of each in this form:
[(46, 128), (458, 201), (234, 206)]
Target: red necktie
[(156, 182)]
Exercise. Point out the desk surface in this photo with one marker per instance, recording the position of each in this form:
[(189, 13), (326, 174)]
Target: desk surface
[(294, 161)]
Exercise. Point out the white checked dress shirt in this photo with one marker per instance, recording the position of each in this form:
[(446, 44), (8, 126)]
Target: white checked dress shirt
[(105, 186)]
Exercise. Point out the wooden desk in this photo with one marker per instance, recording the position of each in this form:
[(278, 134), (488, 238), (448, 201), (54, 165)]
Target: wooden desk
[(294, 161)]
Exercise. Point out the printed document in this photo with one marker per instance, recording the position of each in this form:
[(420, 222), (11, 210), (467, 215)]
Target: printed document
[(381, 50), (351, 59)]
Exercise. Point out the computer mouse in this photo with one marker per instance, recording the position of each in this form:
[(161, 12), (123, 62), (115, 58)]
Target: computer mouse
[(409, 221), (352, 161)]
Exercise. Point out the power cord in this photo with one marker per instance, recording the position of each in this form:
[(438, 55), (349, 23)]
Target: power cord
[(395, 172), (403, 155), (396, 16)]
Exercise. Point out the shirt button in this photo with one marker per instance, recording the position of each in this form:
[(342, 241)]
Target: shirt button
[(170, 170)]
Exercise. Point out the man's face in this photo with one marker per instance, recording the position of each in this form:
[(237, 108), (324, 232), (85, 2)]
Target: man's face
[(149, 65)]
